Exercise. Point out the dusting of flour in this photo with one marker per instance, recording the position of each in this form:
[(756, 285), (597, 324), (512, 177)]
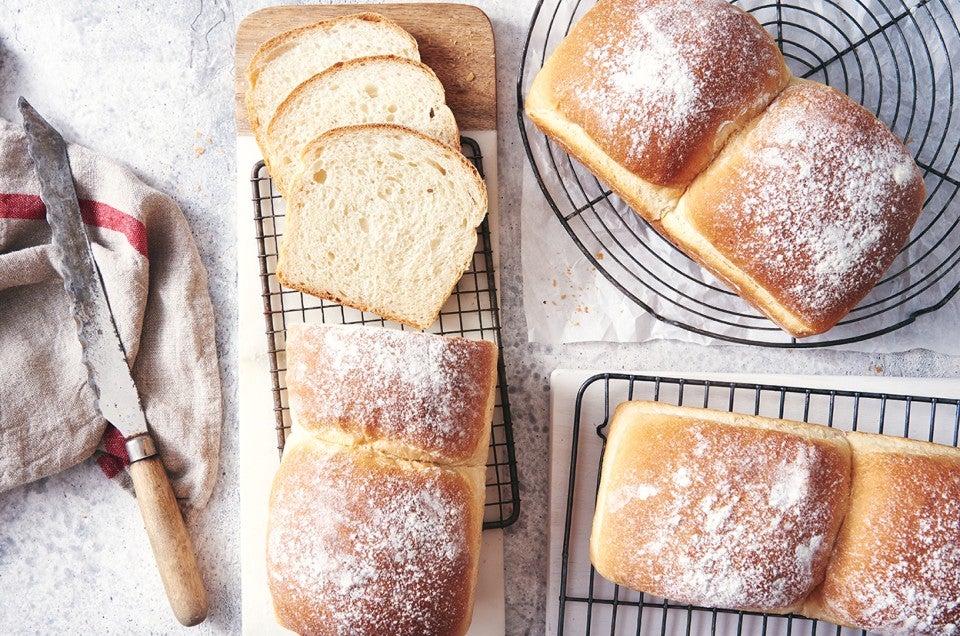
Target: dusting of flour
[(368, 547), (747, 529), (646, 89), (822, 195), (422, 390)]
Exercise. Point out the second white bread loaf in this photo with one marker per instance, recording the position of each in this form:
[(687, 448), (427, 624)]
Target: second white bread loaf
[(382, 219), (733, 511)]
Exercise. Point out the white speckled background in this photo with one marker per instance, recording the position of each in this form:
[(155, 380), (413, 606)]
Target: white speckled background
[(151, 84)]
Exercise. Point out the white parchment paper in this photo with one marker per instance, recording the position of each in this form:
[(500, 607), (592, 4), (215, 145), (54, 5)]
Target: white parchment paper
[(896, 61)]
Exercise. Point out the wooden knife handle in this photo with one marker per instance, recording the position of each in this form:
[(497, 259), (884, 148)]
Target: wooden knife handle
[(171, 544)]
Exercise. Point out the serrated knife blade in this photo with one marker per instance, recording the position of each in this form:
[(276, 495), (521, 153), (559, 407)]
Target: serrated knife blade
[(103, 352), (107, 370)]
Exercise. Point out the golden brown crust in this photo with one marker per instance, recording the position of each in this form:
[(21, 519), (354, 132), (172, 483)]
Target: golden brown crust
[(362, 543), (804, 209), (640, 93), (659, 85), (415, 396), (896, 566), (717, 509)]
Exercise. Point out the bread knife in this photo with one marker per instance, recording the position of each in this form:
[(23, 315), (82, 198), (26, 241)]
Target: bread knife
[(108, 372)]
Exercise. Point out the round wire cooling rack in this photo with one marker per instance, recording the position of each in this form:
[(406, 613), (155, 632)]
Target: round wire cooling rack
[(897, 58)]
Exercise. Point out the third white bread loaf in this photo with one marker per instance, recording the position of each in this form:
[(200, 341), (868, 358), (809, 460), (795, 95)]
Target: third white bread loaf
[(896, 566), (382, 89), (786, 190), (382, 219), (717, 509)]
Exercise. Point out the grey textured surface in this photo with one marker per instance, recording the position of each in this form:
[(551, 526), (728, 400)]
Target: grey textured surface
[(152, 86)]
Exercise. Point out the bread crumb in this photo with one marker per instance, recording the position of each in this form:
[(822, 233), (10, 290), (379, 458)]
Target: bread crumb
[(599, 256), (199, 150), (471, 76), (878, 368)]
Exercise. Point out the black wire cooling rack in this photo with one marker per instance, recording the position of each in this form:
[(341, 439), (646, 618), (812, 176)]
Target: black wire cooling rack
[(471, 312), (589, 604), (899, 59)]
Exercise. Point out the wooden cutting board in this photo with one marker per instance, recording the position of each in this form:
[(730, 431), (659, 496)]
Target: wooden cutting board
[(455, 40)]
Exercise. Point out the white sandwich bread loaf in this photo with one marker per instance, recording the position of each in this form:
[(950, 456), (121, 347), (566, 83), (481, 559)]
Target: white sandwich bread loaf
[(376, 511), (786, 190), (734, 511)]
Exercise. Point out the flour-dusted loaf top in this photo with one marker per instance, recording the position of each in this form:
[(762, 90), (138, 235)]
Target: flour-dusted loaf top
[(284, 61), (660, 84), (361, 543), (717, 509), (896, 566), (785, 189), (379, 89), (413, 395), (805, 209), (383, 219)]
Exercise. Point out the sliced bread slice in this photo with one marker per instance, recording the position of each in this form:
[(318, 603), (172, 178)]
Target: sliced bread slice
[(367, 90), (286, 60), (381, 218)]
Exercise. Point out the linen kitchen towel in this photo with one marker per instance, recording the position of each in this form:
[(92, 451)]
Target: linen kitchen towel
[(157, 289)]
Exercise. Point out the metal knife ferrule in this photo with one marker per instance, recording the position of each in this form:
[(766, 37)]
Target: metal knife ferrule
[(140, 447)]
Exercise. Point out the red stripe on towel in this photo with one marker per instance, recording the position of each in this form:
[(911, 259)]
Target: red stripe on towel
[(30, 207)]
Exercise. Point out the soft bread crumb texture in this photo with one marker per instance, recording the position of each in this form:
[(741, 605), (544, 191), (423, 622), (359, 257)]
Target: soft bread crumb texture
[(283, 62), (717, 514), (382, 219), (381, 89)]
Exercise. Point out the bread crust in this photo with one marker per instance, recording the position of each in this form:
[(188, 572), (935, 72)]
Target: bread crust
[(659, 85), (356, 386), (896, 566), (359, 542), (804, 209)]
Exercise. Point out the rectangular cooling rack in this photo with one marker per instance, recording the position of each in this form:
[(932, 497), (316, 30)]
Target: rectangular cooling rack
[(472, 311), (589, 604)]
